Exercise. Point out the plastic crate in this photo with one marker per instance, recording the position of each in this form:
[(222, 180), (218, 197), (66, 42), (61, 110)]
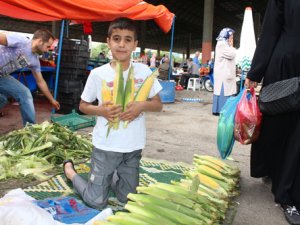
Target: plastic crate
[(74, 121)]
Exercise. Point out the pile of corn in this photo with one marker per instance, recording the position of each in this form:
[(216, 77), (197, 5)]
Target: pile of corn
[(203, 197), (36, 150), (121, 96)]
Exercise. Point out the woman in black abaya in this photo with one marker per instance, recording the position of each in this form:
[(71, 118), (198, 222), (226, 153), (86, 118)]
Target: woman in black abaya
[(277, 152)]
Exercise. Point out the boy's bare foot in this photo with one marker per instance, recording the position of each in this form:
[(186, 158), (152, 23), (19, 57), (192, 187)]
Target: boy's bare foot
[(69, 169)]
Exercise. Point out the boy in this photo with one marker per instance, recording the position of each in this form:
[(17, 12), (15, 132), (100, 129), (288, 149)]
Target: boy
[(121, 150)]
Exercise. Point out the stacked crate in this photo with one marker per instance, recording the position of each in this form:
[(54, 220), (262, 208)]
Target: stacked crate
[(72, 75)]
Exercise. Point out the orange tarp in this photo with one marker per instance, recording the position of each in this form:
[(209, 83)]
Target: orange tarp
[(86, 10)]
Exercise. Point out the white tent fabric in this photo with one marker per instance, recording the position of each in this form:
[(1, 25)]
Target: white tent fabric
[(247, 41)]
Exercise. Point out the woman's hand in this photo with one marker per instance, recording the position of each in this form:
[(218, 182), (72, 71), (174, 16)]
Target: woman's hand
[(249, 83)]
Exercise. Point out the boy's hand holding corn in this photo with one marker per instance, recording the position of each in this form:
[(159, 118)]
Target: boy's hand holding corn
[(110, 111), (133, 110)]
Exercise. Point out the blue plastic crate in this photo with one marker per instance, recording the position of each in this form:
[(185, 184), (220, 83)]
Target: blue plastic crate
[(74, 121), (27, 79)]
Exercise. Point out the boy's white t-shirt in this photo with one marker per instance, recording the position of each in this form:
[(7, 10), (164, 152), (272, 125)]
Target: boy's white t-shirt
[(124, 139)]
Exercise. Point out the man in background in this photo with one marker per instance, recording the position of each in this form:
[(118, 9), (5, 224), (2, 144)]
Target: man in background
[(196, 59), (18, 52), (192, 72)]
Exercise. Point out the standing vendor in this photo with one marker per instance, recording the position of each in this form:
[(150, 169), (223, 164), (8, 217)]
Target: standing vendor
[(17, 52)]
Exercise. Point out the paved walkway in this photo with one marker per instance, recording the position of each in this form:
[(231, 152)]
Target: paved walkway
[(181, 130)]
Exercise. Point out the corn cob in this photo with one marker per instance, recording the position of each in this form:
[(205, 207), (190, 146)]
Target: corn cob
[(144, 90), (166, 195), (118, 91), (129, 89), (169, 214), (106, 92), (208, 182), (126, 219), (230, 169), (213, 197), (129, 92), (215, 174), (106, 96), (208, 203), (181, 191), (148, 220), (98, 222), (147, 199), (212, 193), (146, 212)]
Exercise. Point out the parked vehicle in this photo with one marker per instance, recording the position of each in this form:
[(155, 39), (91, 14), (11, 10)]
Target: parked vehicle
[(207, 82)]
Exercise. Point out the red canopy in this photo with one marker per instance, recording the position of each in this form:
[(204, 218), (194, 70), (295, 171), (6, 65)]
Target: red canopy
[(86, 10)]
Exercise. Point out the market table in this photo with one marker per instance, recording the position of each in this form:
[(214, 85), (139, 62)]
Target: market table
[(26, 77)]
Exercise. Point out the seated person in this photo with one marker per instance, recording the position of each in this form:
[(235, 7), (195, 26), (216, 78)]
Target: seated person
[(163, 69), (192, 72)]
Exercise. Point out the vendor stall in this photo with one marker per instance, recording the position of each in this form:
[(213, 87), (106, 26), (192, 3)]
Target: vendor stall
[(85, 12)]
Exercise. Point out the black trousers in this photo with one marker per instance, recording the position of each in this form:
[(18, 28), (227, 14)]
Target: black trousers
[(185, 79)]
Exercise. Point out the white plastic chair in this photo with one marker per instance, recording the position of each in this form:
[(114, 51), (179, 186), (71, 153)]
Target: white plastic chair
[(194, 84)]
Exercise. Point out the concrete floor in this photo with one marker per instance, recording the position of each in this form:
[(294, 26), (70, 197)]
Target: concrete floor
[(181, 130), (12, 117)]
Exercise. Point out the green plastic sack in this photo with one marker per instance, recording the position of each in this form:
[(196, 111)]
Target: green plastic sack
[(225, 133)]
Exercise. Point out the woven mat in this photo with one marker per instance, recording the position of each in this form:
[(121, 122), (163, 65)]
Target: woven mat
[(150, 171)]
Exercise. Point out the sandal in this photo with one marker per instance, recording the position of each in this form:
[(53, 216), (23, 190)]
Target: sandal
[(291, 213), (64, 163), (2, 114)]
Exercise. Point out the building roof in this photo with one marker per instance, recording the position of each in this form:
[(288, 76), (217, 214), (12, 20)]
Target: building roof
[(188, 23)]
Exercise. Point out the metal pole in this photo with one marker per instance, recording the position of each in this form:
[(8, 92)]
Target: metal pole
[(171, 49), (58, 59)]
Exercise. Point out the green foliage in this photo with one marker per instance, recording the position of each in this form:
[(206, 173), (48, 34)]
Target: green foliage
[(97, 48)]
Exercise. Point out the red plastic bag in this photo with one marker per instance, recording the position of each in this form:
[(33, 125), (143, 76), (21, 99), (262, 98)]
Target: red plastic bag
[(247, 118)]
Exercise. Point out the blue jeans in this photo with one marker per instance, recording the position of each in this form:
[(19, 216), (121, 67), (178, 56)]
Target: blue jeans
[(3, 101), (9, 86)]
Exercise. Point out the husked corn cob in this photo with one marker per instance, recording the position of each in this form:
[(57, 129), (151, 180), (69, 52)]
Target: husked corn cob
[(210, 172), (118, 91), (129, 88), (208, 182), (106, 96), (129, 91), (230, 169), (215, 174), (144, 90), (106, 92)]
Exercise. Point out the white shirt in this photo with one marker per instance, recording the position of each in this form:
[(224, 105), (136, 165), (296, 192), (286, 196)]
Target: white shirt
[(124, 139)]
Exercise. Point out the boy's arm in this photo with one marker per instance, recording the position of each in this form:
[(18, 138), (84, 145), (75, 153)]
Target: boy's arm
[(152, 105), (134, 109), (3, 39), (106, 110)]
